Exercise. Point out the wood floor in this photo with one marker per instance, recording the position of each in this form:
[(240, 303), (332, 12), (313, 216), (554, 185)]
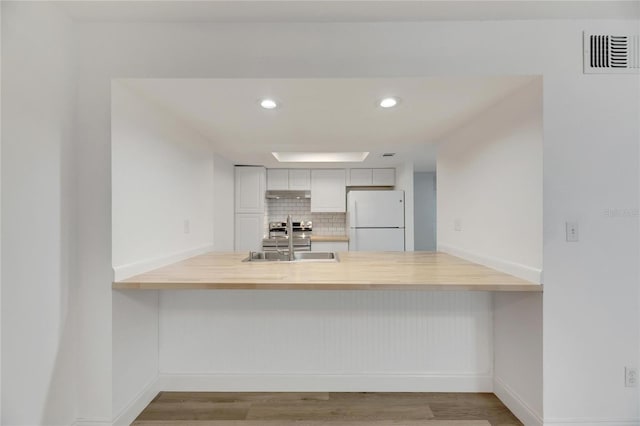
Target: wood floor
[(325, 408)]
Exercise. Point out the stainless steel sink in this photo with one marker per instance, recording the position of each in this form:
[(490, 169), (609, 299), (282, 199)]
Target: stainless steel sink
[(306, 256), (266, 256), (315, 255)]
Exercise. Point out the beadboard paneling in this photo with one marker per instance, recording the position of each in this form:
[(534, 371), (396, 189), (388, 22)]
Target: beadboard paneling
[(324, 333)]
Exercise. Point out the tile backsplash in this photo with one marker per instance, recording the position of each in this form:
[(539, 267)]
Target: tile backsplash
[(323, 223)]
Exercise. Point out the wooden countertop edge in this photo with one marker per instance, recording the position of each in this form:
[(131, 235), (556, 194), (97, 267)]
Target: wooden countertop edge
[(531, 288)]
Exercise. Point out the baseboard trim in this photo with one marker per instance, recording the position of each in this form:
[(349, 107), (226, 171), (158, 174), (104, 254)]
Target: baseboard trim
[(241, 382), (516, 404), (517, 270), (591, 422), (125, 271), (92, 422), (129, 413)]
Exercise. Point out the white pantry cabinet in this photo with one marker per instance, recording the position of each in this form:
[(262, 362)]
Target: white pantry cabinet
[(372, 177), (329, 246), (249, 231), (288, 179), (250, 187), (328, 190)]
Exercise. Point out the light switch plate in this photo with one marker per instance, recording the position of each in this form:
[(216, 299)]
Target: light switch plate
[(630, 377), (572, 232)]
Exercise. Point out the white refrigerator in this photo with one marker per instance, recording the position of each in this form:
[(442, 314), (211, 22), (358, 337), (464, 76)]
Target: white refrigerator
[(375, 220)]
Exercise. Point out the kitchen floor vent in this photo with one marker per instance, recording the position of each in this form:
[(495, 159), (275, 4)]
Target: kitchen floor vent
[(611, 54)]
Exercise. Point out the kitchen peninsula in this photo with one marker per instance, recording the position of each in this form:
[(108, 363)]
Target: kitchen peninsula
[(354, 271)]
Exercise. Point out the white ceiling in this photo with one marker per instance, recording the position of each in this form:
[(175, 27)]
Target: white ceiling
[(344, 11), (327, 114)]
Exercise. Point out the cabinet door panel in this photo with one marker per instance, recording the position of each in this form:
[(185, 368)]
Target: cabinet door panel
[(384, 177), (249, 232), (300, 179), (328, 190), (277, 179), (249, 191), (360, 177), (329, 246)]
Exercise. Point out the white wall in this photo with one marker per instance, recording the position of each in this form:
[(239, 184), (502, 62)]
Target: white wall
[(223, 204), (490, 185), (404, 181), (518, 358), (424, 195), (579, 113), (38, 359), (595, 116), (134, 352), (490, 181), (163, 177)]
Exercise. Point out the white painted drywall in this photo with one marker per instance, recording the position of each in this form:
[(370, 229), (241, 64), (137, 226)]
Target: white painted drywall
[(135, 346), (579, 115), (162, 185), (490, 185), (517, 343), (163, 175), (424, 218), (38, 298), (490, 180), (404, 181), (223, 204), (591, 291)]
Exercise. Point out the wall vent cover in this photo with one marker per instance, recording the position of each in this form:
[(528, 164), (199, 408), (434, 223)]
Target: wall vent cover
[(611, 54)]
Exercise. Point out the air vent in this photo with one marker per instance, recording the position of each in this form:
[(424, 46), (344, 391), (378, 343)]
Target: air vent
[(611, 54), (388, 154)]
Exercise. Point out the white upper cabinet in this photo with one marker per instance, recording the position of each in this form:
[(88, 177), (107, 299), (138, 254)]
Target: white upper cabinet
[(250, 186), (328, 190), (383, 177), (300, 179), (372, 177), (284, 179), (360, 177), (277, 179)]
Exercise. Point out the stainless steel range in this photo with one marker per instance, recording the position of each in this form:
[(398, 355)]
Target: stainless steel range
[(279, 240)]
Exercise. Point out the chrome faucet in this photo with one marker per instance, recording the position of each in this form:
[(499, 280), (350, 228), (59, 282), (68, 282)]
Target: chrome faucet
[(290, 236)]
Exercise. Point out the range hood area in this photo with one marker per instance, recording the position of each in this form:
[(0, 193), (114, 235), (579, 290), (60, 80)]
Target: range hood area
[(277, 194)]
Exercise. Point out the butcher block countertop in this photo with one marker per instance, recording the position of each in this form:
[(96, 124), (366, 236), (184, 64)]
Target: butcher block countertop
[(330, 238), (354, 271)]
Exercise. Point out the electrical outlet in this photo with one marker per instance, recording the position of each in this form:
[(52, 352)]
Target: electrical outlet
[(457, 225), (187, 226), (630, 377), (572, 232)]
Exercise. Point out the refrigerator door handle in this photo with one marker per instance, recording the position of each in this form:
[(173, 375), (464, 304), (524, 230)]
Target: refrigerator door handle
[(355, 225)]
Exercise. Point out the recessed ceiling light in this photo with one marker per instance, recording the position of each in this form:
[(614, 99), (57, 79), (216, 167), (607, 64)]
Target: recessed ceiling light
[(389, 102), (320, 157), (268, 104)]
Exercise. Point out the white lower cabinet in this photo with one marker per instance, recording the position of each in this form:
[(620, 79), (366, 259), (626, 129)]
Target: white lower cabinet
[(249, 232), (329, 246)]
